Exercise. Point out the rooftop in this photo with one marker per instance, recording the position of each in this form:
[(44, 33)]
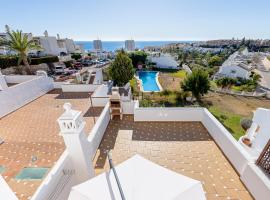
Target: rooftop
[(32, 132), (183, 147)]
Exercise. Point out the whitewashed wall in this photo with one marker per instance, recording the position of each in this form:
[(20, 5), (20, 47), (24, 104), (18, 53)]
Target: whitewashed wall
[(18, 95), (128, 107), (79, 87), (167, 114), (230, 147), (58, 85), (98, 130), (19, 78), (52, 179), (256, 181), (100, 101), (98, 77), (5, 191)]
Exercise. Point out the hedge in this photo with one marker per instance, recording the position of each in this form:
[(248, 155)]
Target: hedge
[(9, 61)]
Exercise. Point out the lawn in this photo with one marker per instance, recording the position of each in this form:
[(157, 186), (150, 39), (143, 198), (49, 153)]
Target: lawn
[(230, 109), (179, 74), (171, 80), (230, 120)]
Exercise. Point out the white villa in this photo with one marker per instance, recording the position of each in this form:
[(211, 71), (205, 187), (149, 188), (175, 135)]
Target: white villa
[(52, 45), (81, 152), (241, 64), (236, 66), (164, 61)]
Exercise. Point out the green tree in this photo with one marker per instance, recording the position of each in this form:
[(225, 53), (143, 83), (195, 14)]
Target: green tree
[(138, 58), (215, 61), (121, 69), (76, 56), (226, 82), (21, 44), (197, 83)]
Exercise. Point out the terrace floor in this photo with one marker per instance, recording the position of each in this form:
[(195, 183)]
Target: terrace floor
[(32, 132), (184, 147)]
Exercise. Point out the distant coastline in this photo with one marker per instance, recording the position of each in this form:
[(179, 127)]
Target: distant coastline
[(114, 45)]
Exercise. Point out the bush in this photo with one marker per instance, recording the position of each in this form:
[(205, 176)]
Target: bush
[(47, 59), (8, 61), (246, 123), (165, 92), (68, 64), (76, 56)]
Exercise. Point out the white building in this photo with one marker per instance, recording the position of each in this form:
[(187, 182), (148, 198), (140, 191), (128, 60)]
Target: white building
[(238, 65), (66, 43), (52, 45), (165, 61), (97, 45), (234, 71), (130, 45)]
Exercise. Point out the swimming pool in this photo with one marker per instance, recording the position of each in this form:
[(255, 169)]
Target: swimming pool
[(149, 82)]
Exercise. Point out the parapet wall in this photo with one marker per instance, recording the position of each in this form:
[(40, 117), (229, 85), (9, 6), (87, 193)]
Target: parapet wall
[(28, 89), (253, 177)]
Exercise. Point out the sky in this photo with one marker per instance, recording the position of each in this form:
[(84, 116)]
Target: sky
[(141, 20)]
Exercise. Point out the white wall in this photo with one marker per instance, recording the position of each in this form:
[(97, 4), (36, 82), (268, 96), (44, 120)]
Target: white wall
[(79, 87), (128, 107), (52, 179), (256, 181), (167, 114), (5, 191), (98, 130), (100, 101), (230, 147), (19, 78), (98, 77), (18, 95)]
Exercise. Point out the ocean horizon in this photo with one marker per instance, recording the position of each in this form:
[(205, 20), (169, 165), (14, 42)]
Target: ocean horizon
[(114, 45)]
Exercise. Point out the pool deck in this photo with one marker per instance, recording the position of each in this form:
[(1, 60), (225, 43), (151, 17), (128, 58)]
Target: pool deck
[(32, 131)]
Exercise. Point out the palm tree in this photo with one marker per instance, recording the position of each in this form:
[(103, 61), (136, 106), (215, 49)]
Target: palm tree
[(197, 83), (21, 44)]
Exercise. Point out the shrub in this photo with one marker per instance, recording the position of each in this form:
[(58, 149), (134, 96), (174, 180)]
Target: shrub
[(46, 59), (68, 64), (10, 61), (76, 56), (165, 92), (246, 123)]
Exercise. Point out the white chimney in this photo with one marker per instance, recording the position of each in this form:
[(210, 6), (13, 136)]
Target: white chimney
[(72, 129)]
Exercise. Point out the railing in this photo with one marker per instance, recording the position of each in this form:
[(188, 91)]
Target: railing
[(115, 175), (264, 159)]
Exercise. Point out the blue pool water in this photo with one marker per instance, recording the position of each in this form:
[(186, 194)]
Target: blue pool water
[(149, 81)]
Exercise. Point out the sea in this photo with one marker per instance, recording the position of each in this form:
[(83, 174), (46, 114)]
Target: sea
[(115, 45)]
